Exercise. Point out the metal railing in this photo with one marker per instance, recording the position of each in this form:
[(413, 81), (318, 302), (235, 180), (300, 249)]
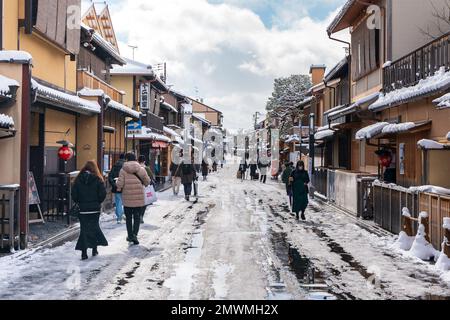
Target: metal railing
[(419, 64), (9, 217), (56, 201), (320, 181)]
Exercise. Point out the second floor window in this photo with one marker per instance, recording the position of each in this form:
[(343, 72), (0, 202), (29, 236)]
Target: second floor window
[(365, 51)]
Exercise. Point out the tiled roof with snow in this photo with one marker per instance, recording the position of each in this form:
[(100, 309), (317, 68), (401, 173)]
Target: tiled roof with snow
[(371, 131), (6, 122), (63, 99), (15, 56), (339, 16), (171, 132), (133, 68), (6, 84), (169, 107), (325, 132), (124, 109), (443, 102), (431, 145), (440, 81), (398, 127), (87, 92), (200, 118)]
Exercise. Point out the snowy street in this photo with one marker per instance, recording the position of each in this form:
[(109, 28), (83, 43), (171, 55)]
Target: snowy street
[(239, 241)]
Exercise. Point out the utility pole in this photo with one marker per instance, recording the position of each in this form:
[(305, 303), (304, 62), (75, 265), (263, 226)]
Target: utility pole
[(312, 118), (133, 48)]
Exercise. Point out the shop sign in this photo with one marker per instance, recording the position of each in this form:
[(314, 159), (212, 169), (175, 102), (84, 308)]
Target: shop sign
[(145, 96)]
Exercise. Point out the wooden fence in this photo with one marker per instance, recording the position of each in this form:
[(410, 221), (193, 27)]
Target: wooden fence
[(9, 217), (438, 208)]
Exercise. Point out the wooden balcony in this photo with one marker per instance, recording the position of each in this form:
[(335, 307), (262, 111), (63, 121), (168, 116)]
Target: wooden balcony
[(418, 65), (88, 80)]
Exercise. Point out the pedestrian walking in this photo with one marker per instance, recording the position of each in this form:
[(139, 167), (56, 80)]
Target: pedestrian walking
[(142, 162), (205, 170), (253, 171), (243, 170), (300, 180), (175, 170), (188, 176), (112, 178), (263, 168), (132, 180), (89, 192), (289, 167), (215, 166)]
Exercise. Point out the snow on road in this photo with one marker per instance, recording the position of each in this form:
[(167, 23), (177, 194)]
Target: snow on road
[(239, 241)]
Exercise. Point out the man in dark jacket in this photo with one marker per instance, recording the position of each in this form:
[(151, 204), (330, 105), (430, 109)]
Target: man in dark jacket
[(113, 176), (188, 176)]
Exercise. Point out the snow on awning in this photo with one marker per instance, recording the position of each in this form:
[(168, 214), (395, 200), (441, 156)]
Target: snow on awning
[(6, 122), (293, 138), (171, 132), (8, 87), (440, 81), (169, 107), (394, 128), (342, 112), (124, 109), (443, 102), (64, 100), (147, 134), (427, 144), (371, 131), (87, 92), (13, 56), (325, 132)]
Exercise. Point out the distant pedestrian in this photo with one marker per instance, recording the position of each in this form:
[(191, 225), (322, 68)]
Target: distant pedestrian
[(205, 170), (188, 176), (289, 167), (175, 170), (142, 162), (243, 170), (300, 180), (215, 166), (112, 178), (132, 180), (253, 171), (89, 192), (263, 168)]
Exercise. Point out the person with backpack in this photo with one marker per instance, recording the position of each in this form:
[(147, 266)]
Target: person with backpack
[(142, 162), (132, 180), (112, 179), (89, 192)]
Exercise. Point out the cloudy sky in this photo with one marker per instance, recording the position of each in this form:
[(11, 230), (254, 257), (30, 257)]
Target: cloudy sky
[(228, 51)]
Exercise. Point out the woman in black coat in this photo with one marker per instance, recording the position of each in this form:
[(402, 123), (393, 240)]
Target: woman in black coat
[(89, 192), (205, 170)]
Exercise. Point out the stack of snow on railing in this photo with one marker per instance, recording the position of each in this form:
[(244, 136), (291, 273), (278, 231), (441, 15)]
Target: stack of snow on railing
[(443, 262), (6, 122)]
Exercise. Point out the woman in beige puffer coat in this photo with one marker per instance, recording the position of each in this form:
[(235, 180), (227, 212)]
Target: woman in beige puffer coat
[(132, 180)]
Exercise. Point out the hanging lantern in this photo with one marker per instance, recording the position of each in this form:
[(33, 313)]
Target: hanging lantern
[(386, 160), (65, 153)]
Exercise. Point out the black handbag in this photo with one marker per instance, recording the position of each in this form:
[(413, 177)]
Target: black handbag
[(75, 211)]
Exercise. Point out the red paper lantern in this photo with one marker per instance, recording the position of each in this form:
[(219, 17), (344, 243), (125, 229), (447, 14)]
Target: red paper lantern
[(385, 160), (65, 153)]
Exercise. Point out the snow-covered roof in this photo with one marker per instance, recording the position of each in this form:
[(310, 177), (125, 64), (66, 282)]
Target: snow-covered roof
[(427, 144), (199, 117), (371, 131), (443, 102), (6, 84), (341, 111), (325, 132), (169, 107), (398, 127), (64, 100), (87, 92), (124, 109), (440, 81), (340, 15), (6, 121), (336, 70), (133, 67), (171, 132), (147, 134), (15, 56), (104, 44)]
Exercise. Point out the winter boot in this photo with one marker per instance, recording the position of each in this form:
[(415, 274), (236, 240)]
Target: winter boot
[(187, 198), (297, 217), (135, 241), (303, 216), (84, 255), (94, 252)]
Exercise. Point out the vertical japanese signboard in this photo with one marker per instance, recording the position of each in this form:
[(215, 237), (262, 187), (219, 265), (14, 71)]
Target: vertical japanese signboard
[(145, 96)]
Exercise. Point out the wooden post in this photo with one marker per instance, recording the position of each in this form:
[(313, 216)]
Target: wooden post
[(407, 225), (425, 221), (446, 248)]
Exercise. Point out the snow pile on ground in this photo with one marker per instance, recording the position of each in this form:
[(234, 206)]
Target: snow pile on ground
[(421, 248), (6, 83), (15, 56), (371, 131), (430, 189), (439, 81), (443, 262), (430, 145), (404, 241), (398, 127), (443, 102), (6, 121)]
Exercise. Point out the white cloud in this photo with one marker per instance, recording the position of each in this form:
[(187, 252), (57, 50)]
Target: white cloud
[(224, 50)]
